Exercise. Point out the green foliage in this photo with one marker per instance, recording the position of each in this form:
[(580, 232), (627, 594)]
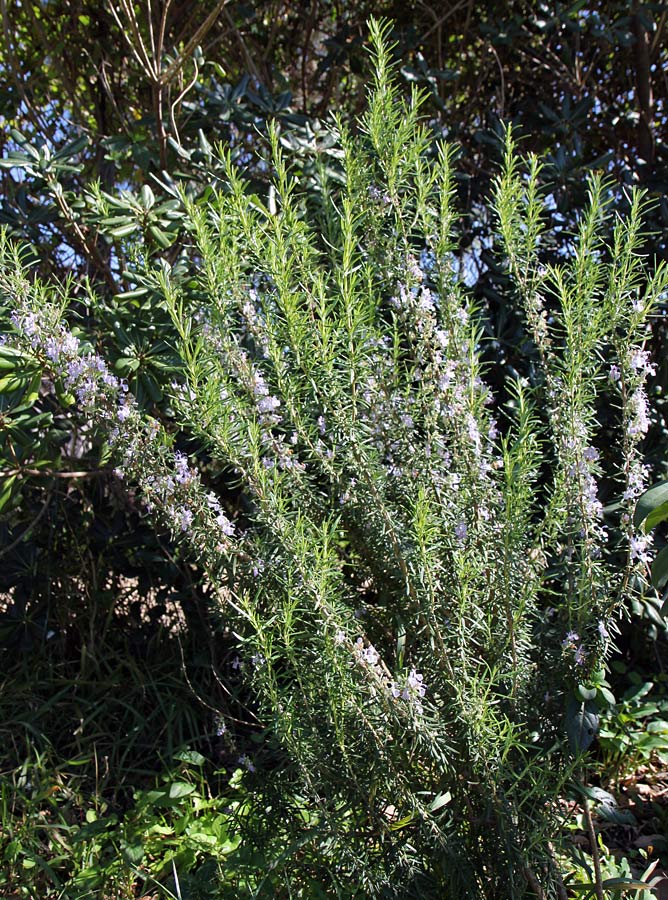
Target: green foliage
[(618, 878), (58, 840), (651, 511), (634, 730)]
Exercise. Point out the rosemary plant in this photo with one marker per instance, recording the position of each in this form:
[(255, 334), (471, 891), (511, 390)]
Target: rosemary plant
[(420, 574)]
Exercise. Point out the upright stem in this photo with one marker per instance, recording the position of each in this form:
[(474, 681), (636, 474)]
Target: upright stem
[(598, 881)]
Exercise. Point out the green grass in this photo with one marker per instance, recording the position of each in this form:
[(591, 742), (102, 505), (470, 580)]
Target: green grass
[(113, 781)]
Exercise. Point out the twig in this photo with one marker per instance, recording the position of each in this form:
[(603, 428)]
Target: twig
[(50, 473), (144, 63), (442, 19), (183, 93), (168, 75), (88, 246), (561, 887), (598, 881), (534, 884)]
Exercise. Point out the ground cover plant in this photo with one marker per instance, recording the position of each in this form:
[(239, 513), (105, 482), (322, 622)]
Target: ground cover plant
[(418, 575)]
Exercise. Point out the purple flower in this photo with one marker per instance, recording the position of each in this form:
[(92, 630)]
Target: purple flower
[(268, 404), (213, 502), (639, 548), (53, 348), (639, 421), (246, 761), (415, 684), (26, 322), (425, 303), (640, 363), (86, 392), (370, 656), (183, 472), (258, 385), (124, 410), (185, 518), (224, 524)]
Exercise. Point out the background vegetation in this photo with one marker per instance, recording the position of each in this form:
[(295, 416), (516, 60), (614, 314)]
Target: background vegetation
[(114, 664)]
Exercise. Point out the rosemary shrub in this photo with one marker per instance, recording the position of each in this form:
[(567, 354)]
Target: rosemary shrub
[(420, 574)]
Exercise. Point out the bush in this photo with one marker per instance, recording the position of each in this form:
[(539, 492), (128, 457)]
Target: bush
[(421, 577)]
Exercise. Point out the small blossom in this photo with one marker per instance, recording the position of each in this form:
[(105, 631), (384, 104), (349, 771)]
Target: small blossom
[(246, 761), (185, 519), (224, 524), (639, 547), (268, 404), (415, 683), (640, 363), (183, 471), (124, 411), (639, 419), (370, 656)]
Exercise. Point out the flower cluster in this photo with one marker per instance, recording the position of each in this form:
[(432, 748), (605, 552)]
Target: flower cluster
[(412, 690), (446, 357), (638, 421), (639, 547), (246, 762), (571, 643), (169, 482), (366, 655), (581, 462), (178, 493), (632, 373), (86, 375)]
